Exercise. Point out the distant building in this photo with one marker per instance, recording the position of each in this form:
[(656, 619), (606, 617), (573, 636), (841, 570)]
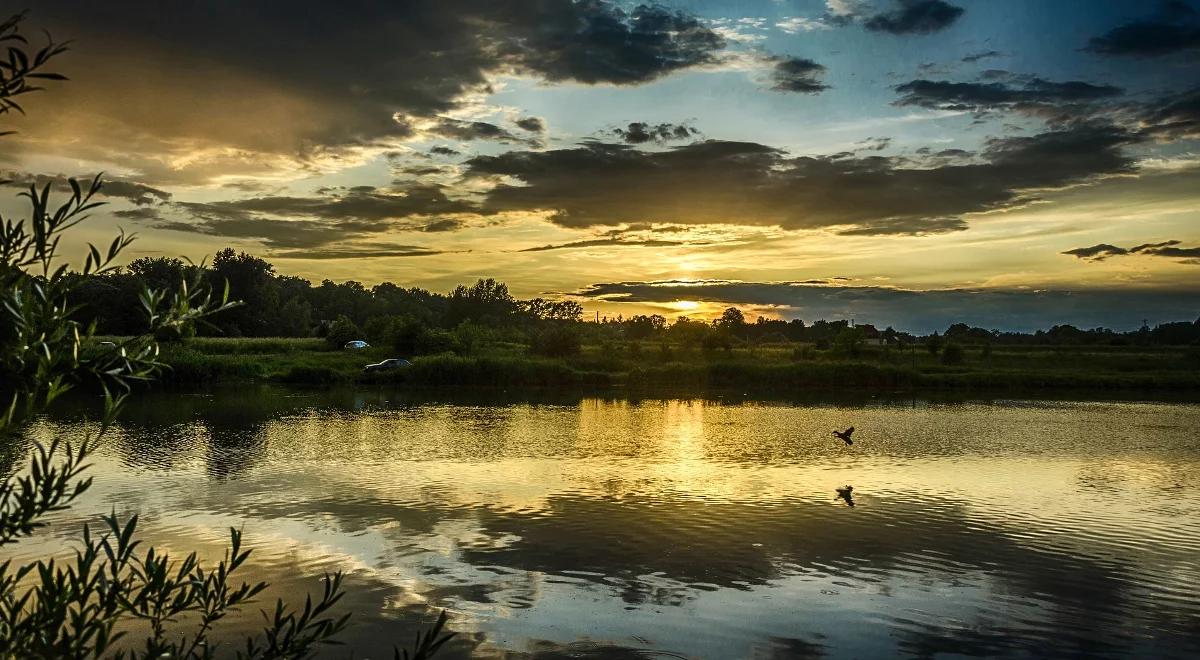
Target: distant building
[(872, 336)]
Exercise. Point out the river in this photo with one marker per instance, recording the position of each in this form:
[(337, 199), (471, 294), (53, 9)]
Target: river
[(569, 526)]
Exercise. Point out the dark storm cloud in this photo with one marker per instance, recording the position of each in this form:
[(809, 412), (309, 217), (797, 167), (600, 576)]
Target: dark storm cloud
[(335, 216), (1031, 94), (409, 59), (915, 17), (797, 74), (639, 132), (444, 151), (361, 202), (921, 310), (532, 124), (132, 191), (1174, 29), (1169, 249), (743, 183), (273, 233), (596, 42)]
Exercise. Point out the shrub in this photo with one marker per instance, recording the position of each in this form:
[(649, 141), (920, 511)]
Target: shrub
[(716, 339), (849, 342), (341, 331), (556, 340), (933, 344), (80, 606), (953, 354), (431, 341)]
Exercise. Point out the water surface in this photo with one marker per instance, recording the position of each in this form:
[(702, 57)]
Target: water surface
[(587, 527)]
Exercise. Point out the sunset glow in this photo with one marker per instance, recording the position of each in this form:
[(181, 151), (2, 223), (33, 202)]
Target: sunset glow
[(998, 148)]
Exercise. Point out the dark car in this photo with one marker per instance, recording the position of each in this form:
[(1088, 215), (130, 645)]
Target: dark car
[(388, 365)]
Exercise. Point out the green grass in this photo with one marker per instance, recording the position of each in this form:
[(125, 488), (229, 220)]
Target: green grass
[(651, 366)]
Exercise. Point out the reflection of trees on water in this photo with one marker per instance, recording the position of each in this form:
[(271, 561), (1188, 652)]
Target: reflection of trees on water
[(665, 551)]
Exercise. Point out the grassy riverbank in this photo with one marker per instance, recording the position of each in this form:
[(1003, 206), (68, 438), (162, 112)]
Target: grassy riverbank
[(635, 366)]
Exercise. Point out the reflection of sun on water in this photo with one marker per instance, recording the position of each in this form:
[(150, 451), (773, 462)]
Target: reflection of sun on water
[(683, 428)]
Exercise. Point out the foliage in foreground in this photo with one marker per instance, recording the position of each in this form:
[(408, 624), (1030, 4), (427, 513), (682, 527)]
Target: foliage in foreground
[(83, 606)]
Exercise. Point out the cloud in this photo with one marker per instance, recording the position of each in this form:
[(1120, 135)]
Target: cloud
[(874, 143), (640, 132), (1173, 117), (982, 55), (285, 103), (445, 224), (532, 124), (1029, 94), (141, 213), (361, 203), (798, 24), (368, 252), (1098, 252), (596, 242), (1174, 29), (1170, 249), (797, 74), (919, 310), (915, 17), (459, 129), (744, 183), (271, 232), (334, 216), (444, 151), (598, 42), (112, 188)]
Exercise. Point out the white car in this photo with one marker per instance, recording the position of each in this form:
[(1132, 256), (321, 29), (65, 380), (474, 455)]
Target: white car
[(357, 344)]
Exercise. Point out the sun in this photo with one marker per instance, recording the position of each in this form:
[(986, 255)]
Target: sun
[(685, 305)]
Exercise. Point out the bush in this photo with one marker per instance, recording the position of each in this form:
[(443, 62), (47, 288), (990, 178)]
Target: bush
[(556, 340), (849, 342), (933, 344), (432, 341), (341, 331), (953, 354), (717, 339), (81, 605)]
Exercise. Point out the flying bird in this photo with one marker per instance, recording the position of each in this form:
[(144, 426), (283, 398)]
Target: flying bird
[(846, 493), (845, 435)]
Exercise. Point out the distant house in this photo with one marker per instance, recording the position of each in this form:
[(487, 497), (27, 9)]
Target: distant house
[(871, 335)]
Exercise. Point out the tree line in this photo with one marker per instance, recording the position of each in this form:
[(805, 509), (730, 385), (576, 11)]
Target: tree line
[(417, 321)]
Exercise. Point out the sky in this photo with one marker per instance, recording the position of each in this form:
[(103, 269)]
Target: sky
[(910, 163)]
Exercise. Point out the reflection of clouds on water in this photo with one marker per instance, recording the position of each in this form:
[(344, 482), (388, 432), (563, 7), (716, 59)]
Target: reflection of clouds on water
[(698, 527)]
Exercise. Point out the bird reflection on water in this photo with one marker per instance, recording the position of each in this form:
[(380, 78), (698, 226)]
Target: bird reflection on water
[(658, 518)]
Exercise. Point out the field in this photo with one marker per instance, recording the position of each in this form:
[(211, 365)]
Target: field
[(656, 366)]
